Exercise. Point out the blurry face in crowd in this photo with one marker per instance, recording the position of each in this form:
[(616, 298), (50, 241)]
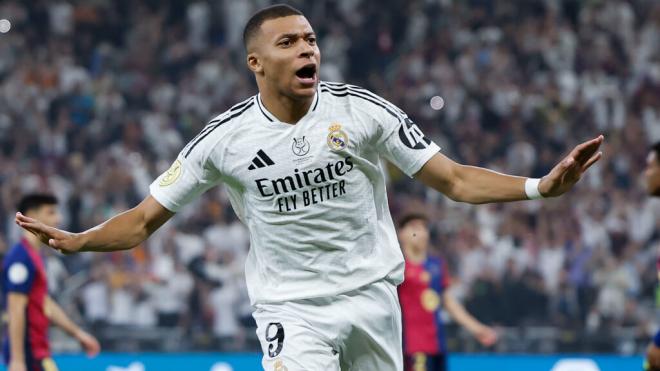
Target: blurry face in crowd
[(652, 174), (415, 235), (47, 214), (285, 57)]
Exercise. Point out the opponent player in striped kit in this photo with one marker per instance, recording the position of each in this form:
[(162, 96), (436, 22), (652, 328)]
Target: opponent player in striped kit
[(29, 307), (301, 162), (422, 294)]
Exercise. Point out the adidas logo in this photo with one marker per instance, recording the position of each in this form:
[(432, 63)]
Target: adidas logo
[(261, 160)]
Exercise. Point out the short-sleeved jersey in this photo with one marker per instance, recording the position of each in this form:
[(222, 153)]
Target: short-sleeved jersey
[(23, 272), (311, 194), (420, 295)]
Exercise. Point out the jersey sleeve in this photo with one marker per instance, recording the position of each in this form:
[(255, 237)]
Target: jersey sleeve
[(192, 174), (19, 272), (401, 141)]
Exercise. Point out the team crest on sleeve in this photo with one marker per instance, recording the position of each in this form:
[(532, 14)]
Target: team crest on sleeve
[(18, 273), (172, 174), (337, 138)]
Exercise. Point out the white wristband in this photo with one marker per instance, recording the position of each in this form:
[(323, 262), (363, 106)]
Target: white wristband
[(532, 188)]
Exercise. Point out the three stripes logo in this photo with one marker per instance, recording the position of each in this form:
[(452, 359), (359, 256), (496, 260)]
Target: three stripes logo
[(260, 160)]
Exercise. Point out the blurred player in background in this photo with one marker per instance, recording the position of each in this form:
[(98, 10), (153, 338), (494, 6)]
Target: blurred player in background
[(301, 161), (29, 308), (652, 178), (422, 294)]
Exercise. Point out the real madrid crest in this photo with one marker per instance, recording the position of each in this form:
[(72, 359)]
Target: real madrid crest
[(337, 138)]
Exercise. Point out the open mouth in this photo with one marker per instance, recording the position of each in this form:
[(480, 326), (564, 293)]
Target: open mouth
[(307, 74)]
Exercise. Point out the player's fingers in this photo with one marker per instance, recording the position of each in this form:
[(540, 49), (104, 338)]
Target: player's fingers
[(574, 173), (592, 161), (586, 150), (30, 225), (93, 347), (27, 222), (36, 228), (20, 218), (584, 147), (20, 215), (568, 163), (97, 349), (55, 244), (489, 340), (559, 172), (583, 151)]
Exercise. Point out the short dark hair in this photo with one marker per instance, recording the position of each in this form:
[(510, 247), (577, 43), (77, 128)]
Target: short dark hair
[(34, 201), (272, 12), (407, 218), (656, 148)]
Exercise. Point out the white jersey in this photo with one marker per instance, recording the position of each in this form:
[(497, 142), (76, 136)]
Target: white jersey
[(311, 194)]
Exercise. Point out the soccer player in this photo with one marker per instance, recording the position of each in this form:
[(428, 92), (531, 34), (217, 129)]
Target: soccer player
[(301, 163), (652, 177), (422, 294), (29, 308)]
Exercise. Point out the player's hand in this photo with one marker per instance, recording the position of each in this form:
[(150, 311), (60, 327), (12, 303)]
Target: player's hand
[(486, 336), (63, 241), (653, 357), (17, 366), (89, 343), (563, 176)]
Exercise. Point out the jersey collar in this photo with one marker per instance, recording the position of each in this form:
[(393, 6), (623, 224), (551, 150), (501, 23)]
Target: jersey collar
[(27, 244), (271, 118)]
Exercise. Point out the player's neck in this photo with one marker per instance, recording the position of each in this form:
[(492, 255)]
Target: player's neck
[(284, 108), (32, 240), (416, 256)]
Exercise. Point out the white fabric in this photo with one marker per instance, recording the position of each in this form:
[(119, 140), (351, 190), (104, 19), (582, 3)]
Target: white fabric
[(311, 194), (532, 188), (357, 331)]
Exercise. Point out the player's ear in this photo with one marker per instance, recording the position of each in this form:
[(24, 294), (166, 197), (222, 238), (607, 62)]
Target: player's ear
[(254, 63)]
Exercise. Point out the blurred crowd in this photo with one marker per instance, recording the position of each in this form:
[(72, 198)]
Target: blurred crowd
[(98, 97)]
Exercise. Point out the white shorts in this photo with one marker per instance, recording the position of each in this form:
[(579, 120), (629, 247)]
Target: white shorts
[(358, 331)]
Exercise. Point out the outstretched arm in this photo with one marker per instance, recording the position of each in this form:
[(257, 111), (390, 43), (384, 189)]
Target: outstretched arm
[(121, 232), (478, 185), (484, 334), (58, 317)]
